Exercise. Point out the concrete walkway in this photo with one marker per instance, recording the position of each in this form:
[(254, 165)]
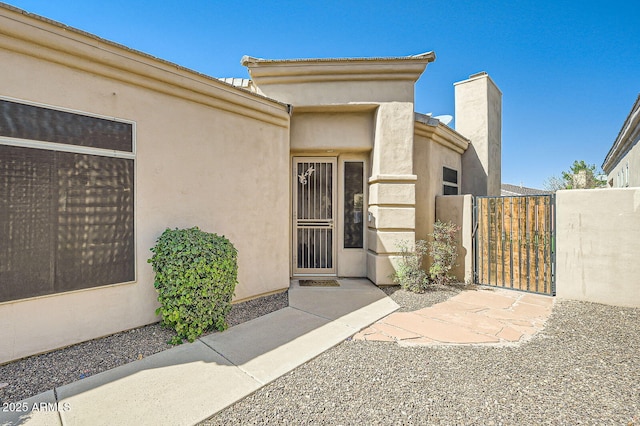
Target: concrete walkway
[(191, 382), (486, 316)]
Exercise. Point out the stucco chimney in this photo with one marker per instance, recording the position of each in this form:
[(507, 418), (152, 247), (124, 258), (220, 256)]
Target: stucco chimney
[(478, 106)]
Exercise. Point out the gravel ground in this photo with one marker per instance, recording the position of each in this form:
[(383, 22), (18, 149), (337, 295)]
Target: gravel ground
[(582, 369), (413, 301), (30, 376)]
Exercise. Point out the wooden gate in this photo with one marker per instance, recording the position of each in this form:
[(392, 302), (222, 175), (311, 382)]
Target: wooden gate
[(514, 242)]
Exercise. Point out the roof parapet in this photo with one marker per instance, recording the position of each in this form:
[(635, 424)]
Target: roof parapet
[(285, 71), (426, 56), (432, 128)]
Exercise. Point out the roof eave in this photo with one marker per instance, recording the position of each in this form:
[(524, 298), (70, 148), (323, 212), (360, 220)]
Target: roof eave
[(625, 137), (37, 36)]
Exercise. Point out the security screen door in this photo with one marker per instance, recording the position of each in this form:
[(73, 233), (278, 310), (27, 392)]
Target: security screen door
[(314, 212)]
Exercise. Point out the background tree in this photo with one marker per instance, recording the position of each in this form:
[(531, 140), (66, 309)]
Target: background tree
[(579, 176)]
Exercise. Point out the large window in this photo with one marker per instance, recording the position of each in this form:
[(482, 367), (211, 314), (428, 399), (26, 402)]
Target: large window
[(353, 204), (449, 181), (66, 201)]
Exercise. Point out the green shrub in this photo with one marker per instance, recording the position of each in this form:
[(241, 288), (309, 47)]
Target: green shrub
[(195, 276), (443, 251), (409, 272)]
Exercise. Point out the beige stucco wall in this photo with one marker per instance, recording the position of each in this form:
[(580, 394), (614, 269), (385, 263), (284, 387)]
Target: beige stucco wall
[(338, 92), (208, 155), (335, 131), (313, 82), (597, 246), (478, 106), (458, 209), (435, 146), (429, 159)]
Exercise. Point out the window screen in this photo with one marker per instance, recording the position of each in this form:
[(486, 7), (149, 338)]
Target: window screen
[(66, 219), (38, 123), (449, 181)]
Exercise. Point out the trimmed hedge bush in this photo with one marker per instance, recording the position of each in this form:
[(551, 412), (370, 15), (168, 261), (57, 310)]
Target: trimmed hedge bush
[(195, 276)]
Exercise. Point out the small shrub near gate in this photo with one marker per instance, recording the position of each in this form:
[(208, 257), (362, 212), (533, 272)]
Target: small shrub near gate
[(195, 276), (409, 273), (443, 251)]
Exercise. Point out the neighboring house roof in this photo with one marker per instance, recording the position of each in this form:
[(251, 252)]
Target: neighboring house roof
[(236, 81), (511, 190), (627, 137), (243, 83)]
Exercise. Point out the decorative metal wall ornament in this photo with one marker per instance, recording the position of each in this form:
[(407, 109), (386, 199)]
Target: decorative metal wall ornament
[(303, 177)]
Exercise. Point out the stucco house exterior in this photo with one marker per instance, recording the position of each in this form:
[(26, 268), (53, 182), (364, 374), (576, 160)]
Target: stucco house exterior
[(312, 167), (622, 163)]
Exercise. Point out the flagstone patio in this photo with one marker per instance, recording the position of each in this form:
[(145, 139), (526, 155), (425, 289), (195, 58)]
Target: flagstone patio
[(481, 317)]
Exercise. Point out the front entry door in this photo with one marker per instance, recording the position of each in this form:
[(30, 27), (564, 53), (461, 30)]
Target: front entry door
[(314, 213)]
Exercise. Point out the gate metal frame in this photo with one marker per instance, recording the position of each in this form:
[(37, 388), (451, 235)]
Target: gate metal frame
[(551, 252)]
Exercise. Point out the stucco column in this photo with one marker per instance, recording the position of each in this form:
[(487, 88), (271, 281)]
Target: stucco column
[(392, 216), (478, 104)]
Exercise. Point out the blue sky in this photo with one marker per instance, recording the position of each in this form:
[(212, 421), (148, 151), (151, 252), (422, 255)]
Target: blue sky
[(569, 71)]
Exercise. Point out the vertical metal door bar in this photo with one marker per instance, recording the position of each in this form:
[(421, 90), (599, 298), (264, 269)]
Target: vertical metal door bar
[(327, 168), (318, 241), (483, 255), (549, 241), (519, 243), (527, 236), (308, 198), (511, 242), (502, 238), (307, 248), (476, 203), (485, 236), (536, 244), (476, 235), (316, 182), (305, 199), (553, 245), (333, 178), (489, 242), (542, 211), (481, 241), (547, 288)]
